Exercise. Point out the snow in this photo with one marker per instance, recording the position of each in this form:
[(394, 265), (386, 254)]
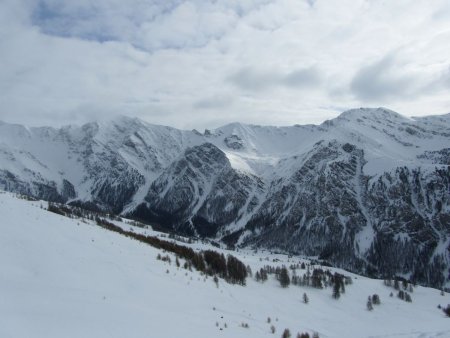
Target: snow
[(238, 162), (63, 277)]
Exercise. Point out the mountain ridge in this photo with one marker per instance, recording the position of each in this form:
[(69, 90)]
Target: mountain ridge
[(335, 190)]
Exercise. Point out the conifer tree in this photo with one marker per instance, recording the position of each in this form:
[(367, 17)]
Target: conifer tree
[(337, 284), (284, 277), (336, 290), (305, 298), (396, 284), (369, 304), (405, 284), (447, 310), (376, 299), (408, 297), (286, 334), (257, 276)]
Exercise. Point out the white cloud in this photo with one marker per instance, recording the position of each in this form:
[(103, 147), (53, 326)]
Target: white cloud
[(203, 63)]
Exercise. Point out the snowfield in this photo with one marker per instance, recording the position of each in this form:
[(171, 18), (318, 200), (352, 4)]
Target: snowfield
[(63, 277)]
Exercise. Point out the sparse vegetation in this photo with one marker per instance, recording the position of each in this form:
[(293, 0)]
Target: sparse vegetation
[(447, 310), (376, 299), (208, 261), (283, 277), (303, 335), (403, 295), (305, 298), (369, 304), (286, 333)]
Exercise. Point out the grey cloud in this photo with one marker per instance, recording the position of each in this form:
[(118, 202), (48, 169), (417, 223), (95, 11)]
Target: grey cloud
[(256, 80), (252, 80), (307, 77), (442, 13), (446, 79), (98, 20), (438, 83), (214, 102), (147, 25), (380, 81)]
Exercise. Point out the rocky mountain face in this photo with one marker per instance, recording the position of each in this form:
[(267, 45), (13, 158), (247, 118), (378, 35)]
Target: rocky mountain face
[(368, 191), (200, 193)]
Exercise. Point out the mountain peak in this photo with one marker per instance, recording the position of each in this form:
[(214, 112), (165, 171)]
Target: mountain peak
[(371, 113)]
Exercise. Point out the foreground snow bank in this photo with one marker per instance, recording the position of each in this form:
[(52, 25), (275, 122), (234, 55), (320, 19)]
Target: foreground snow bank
[(62, 277)]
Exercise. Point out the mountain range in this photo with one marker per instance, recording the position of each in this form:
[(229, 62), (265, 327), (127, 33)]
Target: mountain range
[(368, 191)]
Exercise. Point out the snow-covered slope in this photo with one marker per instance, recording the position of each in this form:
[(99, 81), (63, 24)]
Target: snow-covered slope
[(337, 190), (64, 277)]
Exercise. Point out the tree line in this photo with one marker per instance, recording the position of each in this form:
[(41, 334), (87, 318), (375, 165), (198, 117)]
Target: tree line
[(208, 262)]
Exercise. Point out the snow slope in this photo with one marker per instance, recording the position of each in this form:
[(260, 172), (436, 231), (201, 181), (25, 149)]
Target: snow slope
[(63, 277)]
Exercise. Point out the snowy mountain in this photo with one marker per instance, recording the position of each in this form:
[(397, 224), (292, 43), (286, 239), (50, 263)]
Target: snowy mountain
[(69, 277), (368, 191)]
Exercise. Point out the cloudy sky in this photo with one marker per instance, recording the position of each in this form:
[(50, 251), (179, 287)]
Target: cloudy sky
[(204, 63)]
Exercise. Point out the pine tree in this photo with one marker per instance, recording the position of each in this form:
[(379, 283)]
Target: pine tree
[(286, 334), (305, 298), (376, 299), (249, 271), (447, 310), (405, 284), (408, 297), (236, 270), (316, 279), (336, 290), (263, 274), (369, 304), (284, 277), (257, 276), (396, 284)]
